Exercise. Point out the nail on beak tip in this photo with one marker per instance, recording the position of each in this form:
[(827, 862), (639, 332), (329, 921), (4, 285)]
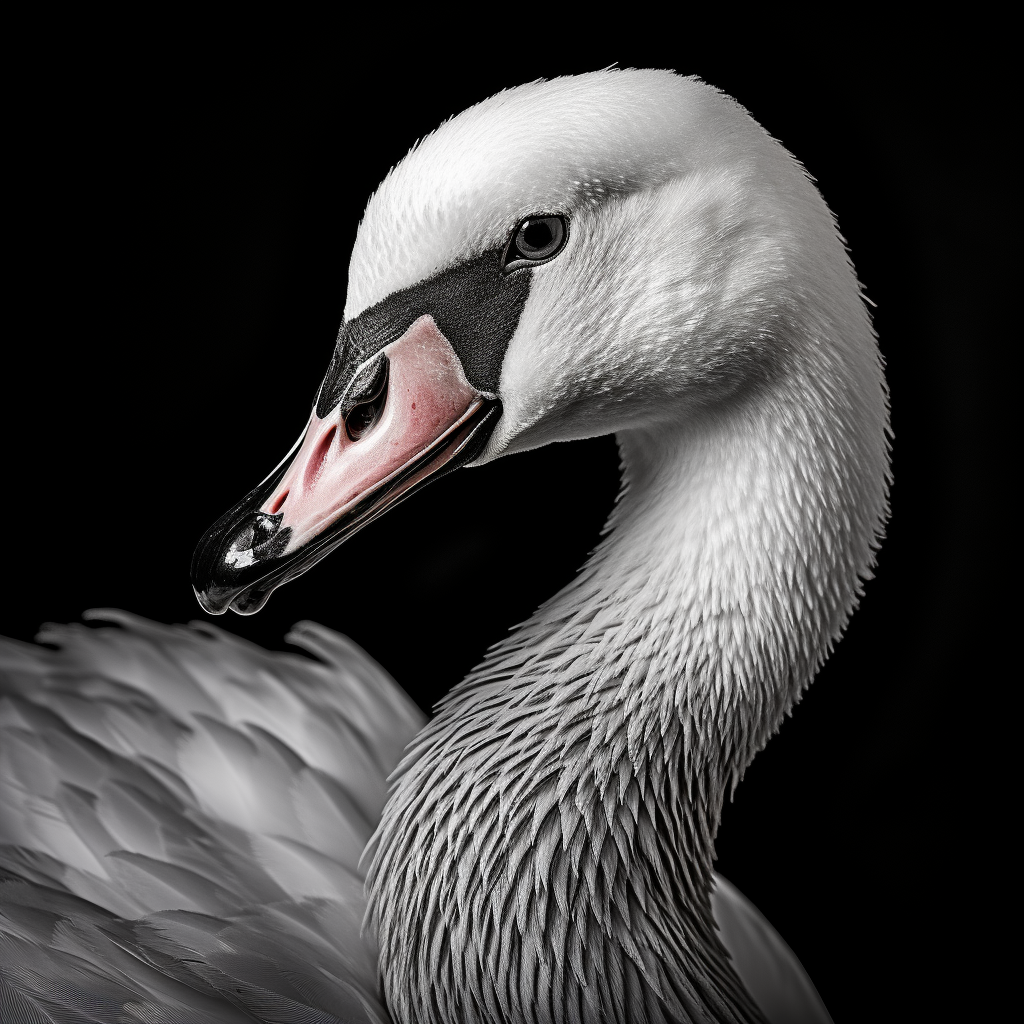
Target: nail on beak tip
[(208, 604)]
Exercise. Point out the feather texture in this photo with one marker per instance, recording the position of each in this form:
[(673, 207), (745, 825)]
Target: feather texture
[(182, 816)]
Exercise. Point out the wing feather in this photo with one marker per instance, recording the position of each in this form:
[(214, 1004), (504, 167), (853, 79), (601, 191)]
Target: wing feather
[(181, 820)]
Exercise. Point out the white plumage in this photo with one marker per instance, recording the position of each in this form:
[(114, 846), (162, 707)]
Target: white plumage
[(546, 852)]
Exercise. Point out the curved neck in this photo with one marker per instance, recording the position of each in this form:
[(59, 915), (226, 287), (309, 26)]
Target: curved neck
[(552, 830)]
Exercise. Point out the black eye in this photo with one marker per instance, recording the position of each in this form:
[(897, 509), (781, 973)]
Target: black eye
[(536, 240)]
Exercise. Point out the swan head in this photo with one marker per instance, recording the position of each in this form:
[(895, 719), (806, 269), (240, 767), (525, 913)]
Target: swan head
[(567, 259)]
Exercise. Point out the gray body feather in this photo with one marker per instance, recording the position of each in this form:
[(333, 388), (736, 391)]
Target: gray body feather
[(182, 816)]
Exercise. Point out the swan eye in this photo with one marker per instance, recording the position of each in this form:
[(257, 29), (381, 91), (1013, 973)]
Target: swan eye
[(536, 240)]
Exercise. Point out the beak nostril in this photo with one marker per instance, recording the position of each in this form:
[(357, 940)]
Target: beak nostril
[(316, 463), (360, 418), (278, 502)]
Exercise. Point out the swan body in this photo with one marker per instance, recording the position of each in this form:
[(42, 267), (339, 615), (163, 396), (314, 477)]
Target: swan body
[(546, 850)]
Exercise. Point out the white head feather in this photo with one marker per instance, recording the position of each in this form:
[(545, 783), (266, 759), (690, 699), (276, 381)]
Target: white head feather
[(690, 228)]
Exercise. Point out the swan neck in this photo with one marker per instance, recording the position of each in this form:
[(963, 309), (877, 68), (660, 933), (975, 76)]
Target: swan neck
[(559, 812)]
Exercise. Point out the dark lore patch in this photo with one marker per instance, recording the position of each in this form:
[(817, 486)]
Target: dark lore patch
[(474, 304)]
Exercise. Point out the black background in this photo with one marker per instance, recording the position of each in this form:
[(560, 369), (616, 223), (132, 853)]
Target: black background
[(182, 221)]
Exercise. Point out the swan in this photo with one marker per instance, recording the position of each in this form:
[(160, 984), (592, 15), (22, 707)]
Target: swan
[(188, 821)]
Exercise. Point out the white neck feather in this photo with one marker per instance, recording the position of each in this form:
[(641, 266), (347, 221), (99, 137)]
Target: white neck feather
[(555, 821)]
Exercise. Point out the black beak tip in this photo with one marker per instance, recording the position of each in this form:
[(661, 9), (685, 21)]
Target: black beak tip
[(233, 560), (242, 601)]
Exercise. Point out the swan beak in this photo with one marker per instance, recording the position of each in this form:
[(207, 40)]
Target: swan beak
[(407, 416)]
